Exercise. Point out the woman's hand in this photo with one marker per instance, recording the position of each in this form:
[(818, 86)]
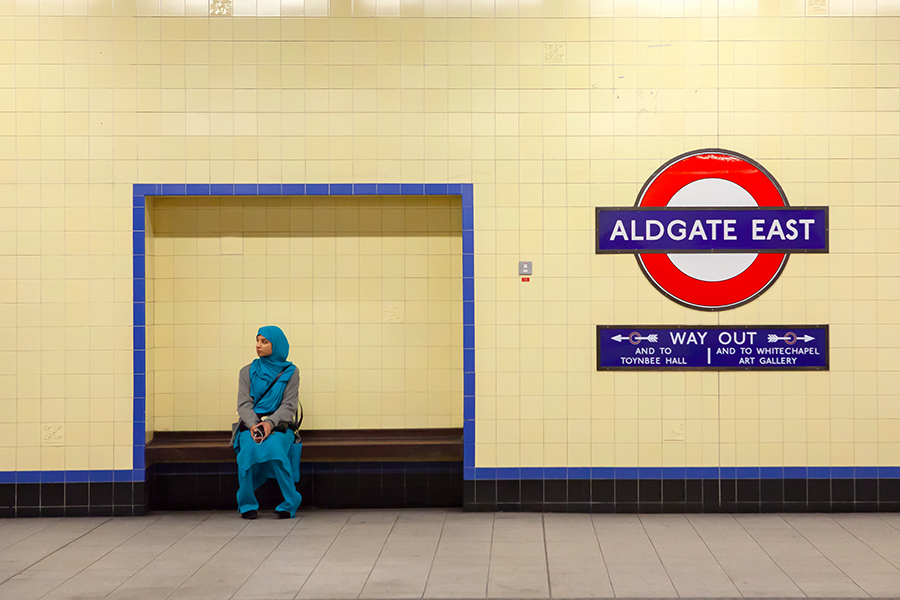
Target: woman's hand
[(264, 428)]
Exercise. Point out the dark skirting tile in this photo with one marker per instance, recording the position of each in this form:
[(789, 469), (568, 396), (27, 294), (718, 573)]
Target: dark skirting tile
[(866, 490), (28, 495), (207, 485), (532, 491), (392, 493), (603, 507), (485, 492), (7, 495), (771, 491), (693, 490), (650, 491), (626, 491), (795, 490), (139, 492), (28, 512), (555, 491), (100, 511), (579, 491), (555, 507), (603, 491), (818, 491), (77, 494), (727, 492), (415, 489), (53, 494), (324, 488), (52, 511), (228, 488), (508, 491), (712, 493), (674, 491), (348, 491), (76, 511), (447, 487), (123, 494), (748, 490), (371, 490), (673, 507), (578, 507), (842, 490), (468, 493), (888, 494)]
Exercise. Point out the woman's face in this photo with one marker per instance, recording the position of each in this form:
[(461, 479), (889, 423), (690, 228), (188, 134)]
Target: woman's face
[(263, 346)]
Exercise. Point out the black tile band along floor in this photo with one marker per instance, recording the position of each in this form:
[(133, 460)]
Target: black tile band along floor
[(684, 495), (212, 486), (82, 499)]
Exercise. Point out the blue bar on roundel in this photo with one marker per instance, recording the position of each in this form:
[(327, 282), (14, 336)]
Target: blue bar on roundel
[(716, 348), (715, 229)]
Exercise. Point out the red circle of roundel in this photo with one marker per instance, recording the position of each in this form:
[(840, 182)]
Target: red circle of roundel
[(711, 164)]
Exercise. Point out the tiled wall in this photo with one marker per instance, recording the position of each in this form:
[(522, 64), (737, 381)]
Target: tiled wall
[(368, 290), (550, 109)]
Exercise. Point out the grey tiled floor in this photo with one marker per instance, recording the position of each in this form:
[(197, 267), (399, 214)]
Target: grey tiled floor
[(450, 554)]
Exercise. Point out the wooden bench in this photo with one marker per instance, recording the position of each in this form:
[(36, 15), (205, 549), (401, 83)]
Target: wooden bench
[(336, 445)]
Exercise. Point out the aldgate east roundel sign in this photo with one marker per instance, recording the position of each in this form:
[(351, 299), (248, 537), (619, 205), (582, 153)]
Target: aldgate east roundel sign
[(712, 229)]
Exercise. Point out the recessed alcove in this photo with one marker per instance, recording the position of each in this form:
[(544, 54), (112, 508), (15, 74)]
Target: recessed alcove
[(368, 290)]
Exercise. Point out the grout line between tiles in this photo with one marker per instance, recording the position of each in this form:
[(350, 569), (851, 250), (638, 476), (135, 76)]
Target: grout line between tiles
[(52, 553), (822, 554), (318, 562), (769, 556)]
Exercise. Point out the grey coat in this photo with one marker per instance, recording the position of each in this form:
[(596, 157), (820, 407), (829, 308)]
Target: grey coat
[(284, 413)]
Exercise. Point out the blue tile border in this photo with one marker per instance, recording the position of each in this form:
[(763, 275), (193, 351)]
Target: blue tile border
[(140, 191), (657, 473)]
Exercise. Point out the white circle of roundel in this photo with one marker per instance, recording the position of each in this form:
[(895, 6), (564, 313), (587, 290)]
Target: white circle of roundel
[(712, 192)]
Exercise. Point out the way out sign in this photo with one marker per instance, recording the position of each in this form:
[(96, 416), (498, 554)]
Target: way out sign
[(719, 348), (712, 229)]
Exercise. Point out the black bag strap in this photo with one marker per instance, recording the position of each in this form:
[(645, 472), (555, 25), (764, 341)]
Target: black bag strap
[(295, 426), (277, 377)]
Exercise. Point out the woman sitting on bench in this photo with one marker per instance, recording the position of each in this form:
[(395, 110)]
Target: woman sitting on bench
[(267, 404)]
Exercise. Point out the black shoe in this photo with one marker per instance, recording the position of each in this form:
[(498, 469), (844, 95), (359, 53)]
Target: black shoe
[(282, 514), (250, 514)]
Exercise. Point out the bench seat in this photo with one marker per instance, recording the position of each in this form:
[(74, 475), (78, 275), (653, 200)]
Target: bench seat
[(334, 445)]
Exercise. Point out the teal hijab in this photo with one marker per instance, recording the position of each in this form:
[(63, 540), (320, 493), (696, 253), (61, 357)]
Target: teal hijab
[(265, 369)]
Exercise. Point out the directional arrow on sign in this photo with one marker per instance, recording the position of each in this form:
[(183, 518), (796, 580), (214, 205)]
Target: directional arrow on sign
[(650, 338), (789, 337)]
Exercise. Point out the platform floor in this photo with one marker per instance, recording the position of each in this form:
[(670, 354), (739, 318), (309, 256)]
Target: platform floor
[(450, 554)]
